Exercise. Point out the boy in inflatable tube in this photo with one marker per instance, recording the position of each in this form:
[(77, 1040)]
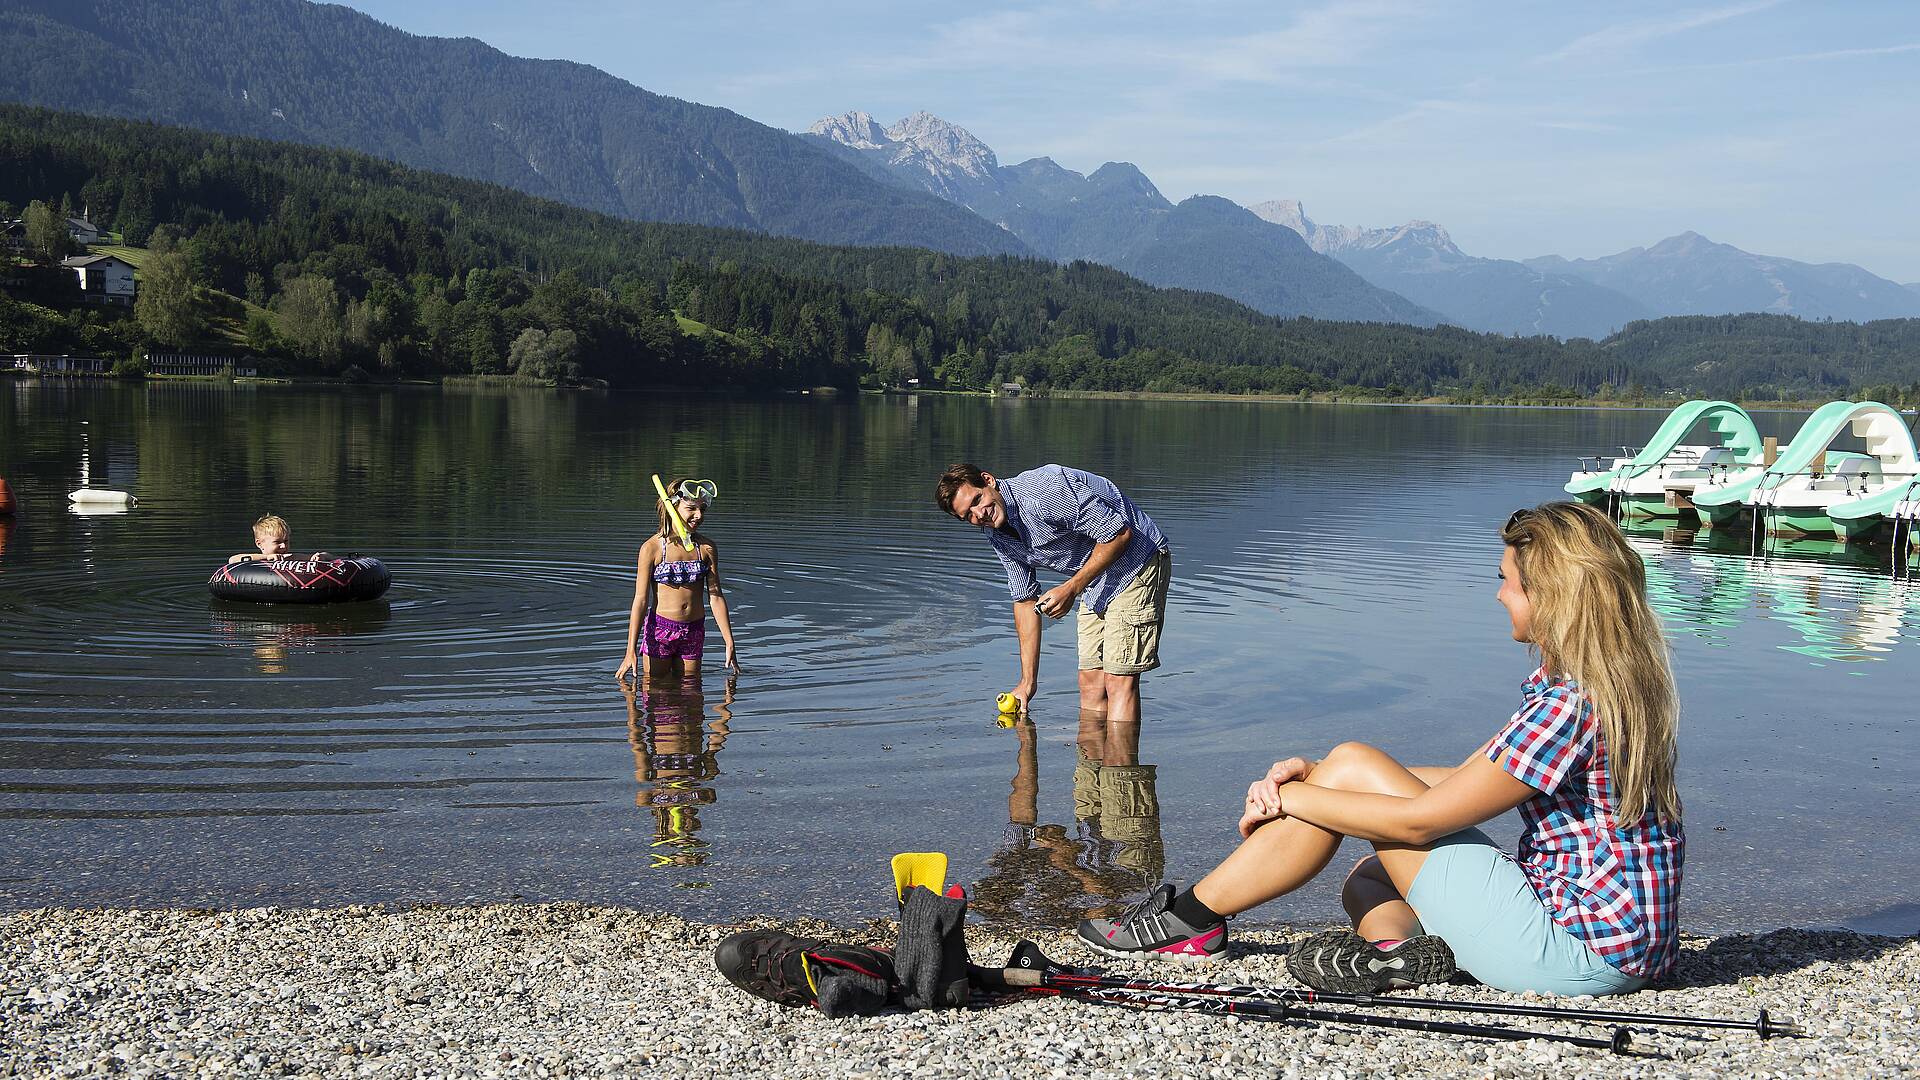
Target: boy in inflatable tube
[(273, 539)]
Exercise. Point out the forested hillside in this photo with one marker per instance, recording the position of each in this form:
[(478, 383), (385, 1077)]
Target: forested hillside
[(327, 75), (344, 260)]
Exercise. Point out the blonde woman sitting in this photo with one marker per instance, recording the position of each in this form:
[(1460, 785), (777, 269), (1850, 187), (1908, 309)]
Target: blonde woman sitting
[(1589, 902)]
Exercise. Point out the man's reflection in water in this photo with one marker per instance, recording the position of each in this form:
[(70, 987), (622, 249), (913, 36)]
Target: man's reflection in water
[(1041, 873), (676, 756)]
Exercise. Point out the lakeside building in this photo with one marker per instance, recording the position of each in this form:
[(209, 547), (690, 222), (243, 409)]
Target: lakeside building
[(199, 364), (45, 364), (104, 279)]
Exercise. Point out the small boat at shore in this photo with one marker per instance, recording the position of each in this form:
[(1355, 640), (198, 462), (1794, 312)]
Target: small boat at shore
[(1660, 479), (1814, 490)]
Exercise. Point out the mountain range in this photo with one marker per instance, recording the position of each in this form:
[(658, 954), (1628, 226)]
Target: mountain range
[(329, 76), (326, 75), (1420, 261), (1681, 275), (1115, 216), (1689, 274)]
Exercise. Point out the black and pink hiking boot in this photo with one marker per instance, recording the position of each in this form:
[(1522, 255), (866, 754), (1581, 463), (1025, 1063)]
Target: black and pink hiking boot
[(1149, 930), (1343, 962)]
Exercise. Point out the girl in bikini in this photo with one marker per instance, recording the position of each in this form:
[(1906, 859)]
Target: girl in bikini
[(1587, 904), (678, 577)]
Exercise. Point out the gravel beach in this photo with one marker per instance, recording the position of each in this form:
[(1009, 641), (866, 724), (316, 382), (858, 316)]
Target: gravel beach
[(565, 989)]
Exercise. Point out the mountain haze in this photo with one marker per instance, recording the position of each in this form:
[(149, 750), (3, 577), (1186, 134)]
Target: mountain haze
[(1420, 261), (329, 76), (1689, 274), (1117, 217)]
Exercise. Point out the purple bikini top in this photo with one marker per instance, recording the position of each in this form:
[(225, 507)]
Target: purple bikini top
[(684, 573)]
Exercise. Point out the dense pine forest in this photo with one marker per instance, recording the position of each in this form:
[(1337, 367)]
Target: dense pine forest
[(331, 262)]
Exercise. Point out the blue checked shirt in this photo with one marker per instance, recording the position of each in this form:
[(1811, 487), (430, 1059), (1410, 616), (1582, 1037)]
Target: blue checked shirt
[(1059, 514)]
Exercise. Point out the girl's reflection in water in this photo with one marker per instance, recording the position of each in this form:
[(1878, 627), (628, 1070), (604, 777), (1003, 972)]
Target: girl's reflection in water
[(676, 757), (1041, 873)]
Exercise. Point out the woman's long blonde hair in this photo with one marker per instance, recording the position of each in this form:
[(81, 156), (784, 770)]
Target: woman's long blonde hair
[(1591, 621)]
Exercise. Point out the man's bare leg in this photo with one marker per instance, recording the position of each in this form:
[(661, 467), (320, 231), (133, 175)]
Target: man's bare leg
[(1093, 690), (1122, 694)]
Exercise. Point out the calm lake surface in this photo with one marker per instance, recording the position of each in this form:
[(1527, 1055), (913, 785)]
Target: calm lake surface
[(464, 738)]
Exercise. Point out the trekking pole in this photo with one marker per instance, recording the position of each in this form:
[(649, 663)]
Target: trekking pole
[(1028, 966), (1617, 1043)]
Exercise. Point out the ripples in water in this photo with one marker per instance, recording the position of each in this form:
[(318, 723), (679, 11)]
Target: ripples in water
[(463, 738)]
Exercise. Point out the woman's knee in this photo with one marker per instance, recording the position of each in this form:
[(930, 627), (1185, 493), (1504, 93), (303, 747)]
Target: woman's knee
[(1347, 764)]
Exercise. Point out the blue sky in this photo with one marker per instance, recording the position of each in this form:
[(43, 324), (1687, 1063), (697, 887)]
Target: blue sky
[(1787, 127)]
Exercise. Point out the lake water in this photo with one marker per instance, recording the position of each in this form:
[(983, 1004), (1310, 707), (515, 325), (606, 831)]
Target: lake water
[(464, 738)]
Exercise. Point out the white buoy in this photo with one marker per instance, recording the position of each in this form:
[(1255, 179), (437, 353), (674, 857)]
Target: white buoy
[(102, 497)]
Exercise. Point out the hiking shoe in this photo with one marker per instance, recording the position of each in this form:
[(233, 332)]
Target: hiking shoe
[(802, 972), (1150, 930), (1343, 962)]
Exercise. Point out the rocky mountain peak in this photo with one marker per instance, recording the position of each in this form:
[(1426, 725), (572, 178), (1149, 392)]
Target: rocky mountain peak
[(949, 144), (855, 129), (1684, 244), (1423, 234), (1325, 239), (1286, 212)]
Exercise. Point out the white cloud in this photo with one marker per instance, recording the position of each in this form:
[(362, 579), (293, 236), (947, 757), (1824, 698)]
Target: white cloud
[(1623, 36), (1790, 58)]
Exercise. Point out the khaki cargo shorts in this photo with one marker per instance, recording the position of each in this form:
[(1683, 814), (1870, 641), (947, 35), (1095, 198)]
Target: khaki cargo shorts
[(1126, 640)]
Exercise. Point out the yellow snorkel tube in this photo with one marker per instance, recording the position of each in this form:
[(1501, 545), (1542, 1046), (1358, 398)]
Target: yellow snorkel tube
[(686, 539)]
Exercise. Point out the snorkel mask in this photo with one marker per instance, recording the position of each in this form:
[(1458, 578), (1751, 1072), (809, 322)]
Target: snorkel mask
[(700, 490)]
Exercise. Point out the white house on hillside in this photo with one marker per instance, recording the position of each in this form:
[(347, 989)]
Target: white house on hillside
[(104, 279), (82, 231)]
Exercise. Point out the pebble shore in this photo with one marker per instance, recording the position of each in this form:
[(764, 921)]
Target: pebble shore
[(554, 990)]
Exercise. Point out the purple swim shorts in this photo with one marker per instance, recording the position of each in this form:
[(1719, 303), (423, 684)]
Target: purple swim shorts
[(669, 639)]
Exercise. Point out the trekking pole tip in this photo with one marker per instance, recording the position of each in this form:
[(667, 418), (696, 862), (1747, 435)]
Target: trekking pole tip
[(1768, 1028)]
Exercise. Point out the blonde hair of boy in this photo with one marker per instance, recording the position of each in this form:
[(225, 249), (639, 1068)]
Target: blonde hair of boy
[(1591, 622), (272, 525)]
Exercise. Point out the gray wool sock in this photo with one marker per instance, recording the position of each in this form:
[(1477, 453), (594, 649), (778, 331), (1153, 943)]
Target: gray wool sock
[(931, 958), (842, 992)]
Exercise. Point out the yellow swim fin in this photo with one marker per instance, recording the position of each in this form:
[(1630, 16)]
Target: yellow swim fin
[(910, 868)]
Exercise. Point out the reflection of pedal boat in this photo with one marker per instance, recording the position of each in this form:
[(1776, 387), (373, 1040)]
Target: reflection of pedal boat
[(1812, 586), (1819, 491), (299, 581), (1660, 479), (1839, 615)]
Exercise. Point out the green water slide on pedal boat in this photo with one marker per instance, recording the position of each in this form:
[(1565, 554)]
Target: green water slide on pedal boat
[(1660, 479), (1816, 490)]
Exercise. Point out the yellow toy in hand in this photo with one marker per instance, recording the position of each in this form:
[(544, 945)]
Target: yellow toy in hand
[(1009, 704)]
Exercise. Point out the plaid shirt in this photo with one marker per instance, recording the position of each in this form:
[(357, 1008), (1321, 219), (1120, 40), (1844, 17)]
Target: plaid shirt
[(1058, 515), (1615, 886)]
